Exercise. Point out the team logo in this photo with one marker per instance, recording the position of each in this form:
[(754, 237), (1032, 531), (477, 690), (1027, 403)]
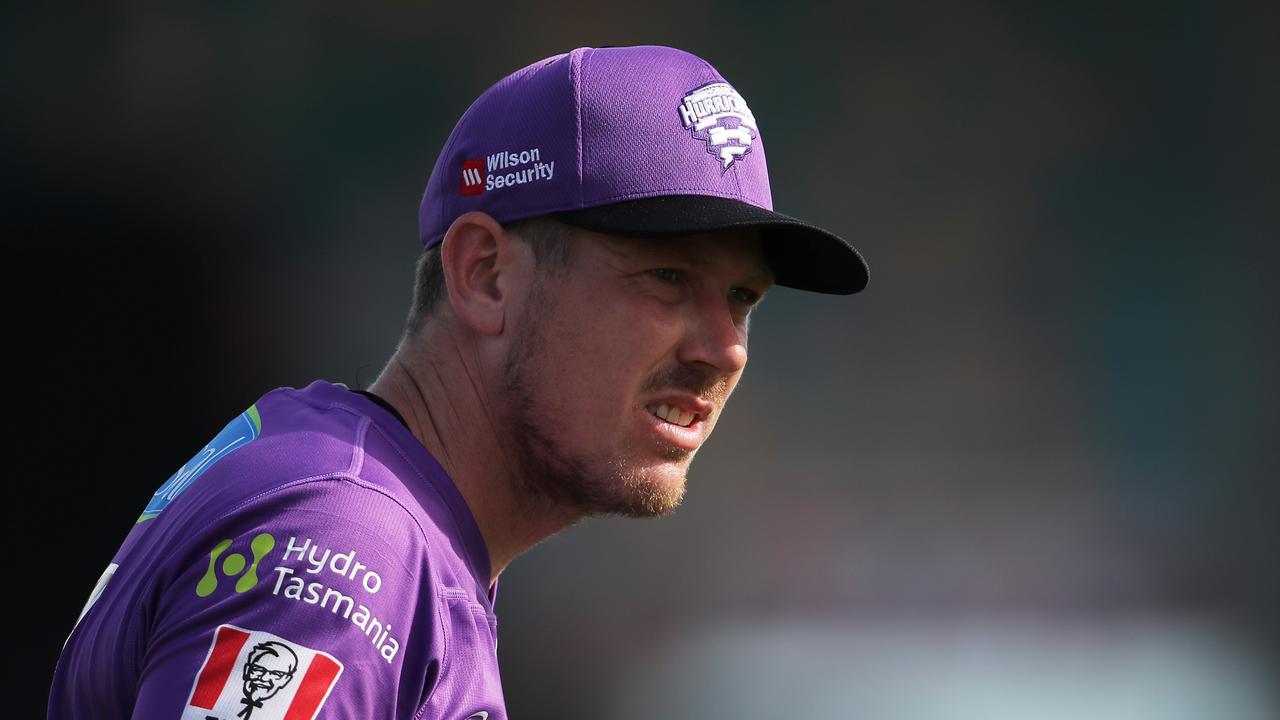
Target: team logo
[(234, 564), (473, 176), (717, 115), (254, 675), (244, 429)]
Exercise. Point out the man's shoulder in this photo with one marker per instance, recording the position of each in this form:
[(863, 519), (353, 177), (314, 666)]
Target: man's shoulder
[(288, 436), (323, 457)]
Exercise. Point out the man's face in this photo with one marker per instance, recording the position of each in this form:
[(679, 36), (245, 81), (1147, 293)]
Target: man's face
[(632, 330), (265, 675)]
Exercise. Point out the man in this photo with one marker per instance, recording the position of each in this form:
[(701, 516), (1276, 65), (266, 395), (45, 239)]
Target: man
[(596, 231), (270, 667)]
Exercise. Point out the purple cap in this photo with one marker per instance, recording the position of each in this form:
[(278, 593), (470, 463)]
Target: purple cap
[(636, 141)]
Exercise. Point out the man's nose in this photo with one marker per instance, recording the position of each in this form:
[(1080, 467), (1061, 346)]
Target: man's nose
[(714, 337)]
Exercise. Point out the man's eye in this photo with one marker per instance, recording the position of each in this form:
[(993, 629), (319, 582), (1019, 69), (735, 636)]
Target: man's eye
[(745, 295), (666, 274)]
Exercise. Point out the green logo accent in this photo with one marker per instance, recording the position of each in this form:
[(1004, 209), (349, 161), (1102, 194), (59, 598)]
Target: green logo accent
[(233, 565)]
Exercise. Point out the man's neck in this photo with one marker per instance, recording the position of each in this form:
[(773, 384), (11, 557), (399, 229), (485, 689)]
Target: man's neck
[(443, 397)]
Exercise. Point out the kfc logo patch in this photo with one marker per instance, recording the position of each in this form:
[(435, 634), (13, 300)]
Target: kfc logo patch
[(473, 176), (717, 115), (254, 675)]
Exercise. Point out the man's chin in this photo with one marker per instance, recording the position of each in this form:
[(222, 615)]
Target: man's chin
[(653, 493)]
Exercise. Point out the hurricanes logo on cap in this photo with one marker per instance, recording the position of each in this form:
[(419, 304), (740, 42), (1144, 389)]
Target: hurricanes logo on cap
[(717, 115)]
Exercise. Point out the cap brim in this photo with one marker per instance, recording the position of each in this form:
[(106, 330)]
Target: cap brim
[(800, 255)]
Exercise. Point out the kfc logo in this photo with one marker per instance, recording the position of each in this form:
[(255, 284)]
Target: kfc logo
[(253, 675)]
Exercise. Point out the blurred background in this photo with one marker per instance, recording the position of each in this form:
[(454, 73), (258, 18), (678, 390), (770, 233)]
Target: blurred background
[(1030, 472)]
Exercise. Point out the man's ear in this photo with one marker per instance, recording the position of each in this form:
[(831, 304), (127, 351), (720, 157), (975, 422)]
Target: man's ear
[(482, 266)]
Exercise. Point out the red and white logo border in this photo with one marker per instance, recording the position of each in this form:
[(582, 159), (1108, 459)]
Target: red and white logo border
[(217, 673)]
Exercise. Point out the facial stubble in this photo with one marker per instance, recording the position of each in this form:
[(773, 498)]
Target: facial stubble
[(550, 475)]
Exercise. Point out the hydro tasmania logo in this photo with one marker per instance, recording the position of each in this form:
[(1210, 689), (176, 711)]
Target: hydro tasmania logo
[(486, 173), (717, 115), (310, 574), (234, 564)]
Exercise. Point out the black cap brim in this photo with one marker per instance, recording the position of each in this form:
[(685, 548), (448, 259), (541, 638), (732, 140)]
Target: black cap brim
[(800, 255)]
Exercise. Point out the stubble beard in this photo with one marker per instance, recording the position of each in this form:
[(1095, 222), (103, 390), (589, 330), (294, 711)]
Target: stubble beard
[(548, 475)]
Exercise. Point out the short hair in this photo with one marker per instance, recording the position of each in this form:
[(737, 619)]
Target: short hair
[(552, 244), (271, 647)]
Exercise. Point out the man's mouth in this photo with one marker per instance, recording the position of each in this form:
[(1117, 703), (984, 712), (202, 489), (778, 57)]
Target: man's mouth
[(675, 416)]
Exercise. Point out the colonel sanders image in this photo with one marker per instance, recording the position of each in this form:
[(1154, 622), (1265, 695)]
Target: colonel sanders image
[(269, 668)]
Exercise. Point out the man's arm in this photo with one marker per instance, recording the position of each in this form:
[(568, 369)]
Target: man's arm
[(302, 599)]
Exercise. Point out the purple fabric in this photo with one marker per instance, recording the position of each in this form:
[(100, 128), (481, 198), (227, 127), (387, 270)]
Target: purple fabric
[(358, 586), (597, 126)]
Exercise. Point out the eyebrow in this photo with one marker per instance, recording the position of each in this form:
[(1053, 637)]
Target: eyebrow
[(764, 276), (757, 272), (664, 248)]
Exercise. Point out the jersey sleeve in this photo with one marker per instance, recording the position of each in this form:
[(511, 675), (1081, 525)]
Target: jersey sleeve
[(309, 601)]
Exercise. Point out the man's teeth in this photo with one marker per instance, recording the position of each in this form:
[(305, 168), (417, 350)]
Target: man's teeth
[(673, 415)]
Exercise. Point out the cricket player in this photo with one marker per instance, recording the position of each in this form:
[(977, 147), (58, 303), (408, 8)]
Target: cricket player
[(596, 232)]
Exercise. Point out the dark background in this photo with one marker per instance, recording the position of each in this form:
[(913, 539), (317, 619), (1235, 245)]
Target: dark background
[(1029, 472)]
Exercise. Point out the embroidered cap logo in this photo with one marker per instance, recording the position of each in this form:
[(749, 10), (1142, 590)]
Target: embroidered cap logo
[(473, 176), (717, 115)]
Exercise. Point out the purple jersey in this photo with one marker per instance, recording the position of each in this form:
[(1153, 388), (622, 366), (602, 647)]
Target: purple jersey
[(313, 560)]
